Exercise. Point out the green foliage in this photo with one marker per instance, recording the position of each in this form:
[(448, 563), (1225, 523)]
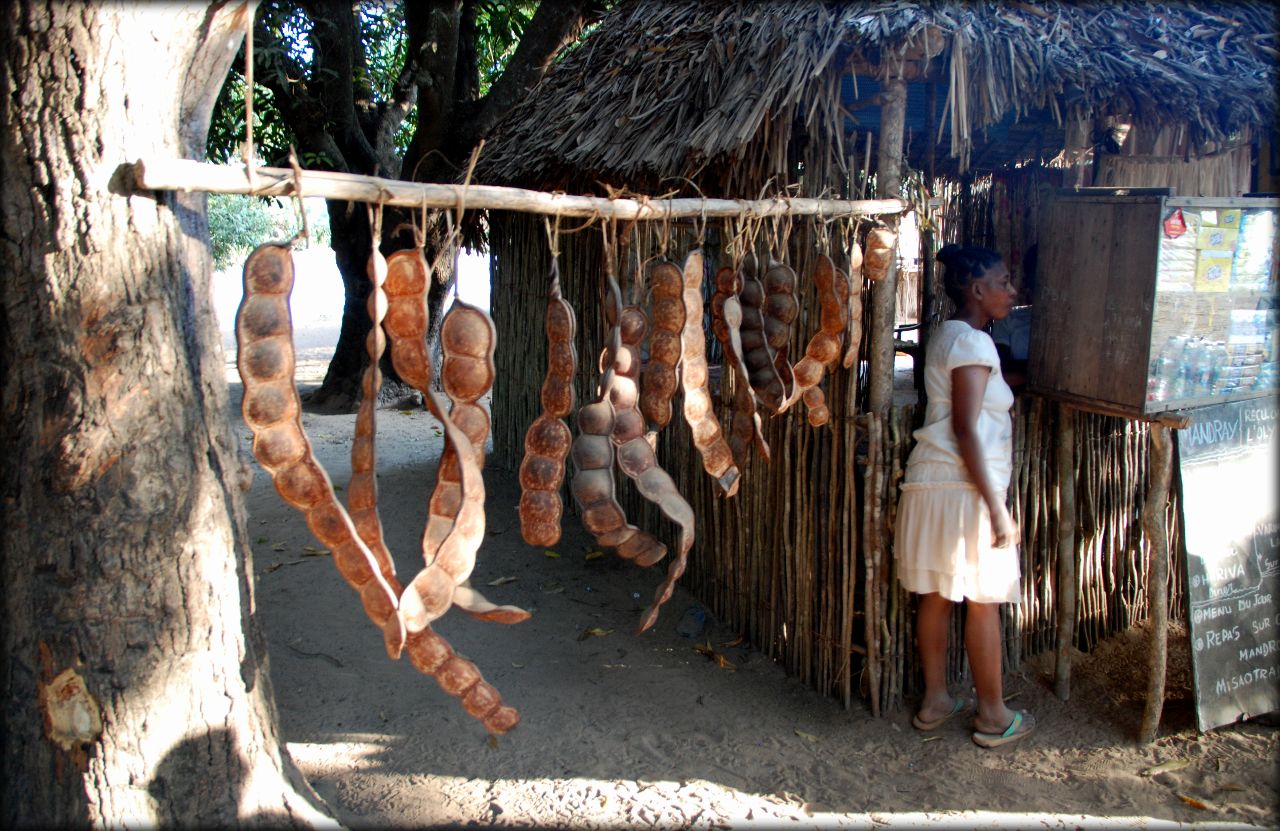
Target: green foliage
[(499, 26), (238, 224), (271, 137)]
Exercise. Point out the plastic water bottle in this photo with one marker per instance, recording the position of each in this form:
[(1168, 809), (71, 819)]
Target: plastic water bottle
[(693, 623), (1185, 381)]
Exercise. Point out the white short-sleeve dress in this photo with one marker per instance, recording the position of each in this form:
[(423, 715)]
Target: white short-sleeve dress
[(943, 541)]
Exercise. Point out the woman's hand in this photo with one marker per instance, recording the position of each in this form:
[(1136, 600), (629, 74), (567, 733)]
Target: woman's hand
[(1004, 531)]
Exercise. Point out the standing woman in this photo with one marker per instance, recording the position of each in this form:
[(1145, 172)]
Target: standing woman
[(955, 540)]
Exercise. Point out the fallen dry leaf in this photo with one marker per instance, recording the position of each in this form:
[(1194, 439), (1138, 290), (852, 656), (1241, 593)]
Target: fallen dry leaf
[(809, 737), (312, 551), (1164, 767), (1193, 802), (555, 555), (593, 555), (502, 581), (593, 632)]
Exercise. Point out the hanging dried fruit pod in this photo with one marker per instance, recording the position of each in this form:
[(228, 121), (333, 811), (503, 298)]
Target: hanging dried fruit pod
[(592, 485), (271, 408), (717, 458), (824, 347), (548, 439), (853, 337), (467, 341), (265, 358), (362, 487), (746, 426), (727, 283), (757, 356), (635, 457), (666, 288), (881, 244)]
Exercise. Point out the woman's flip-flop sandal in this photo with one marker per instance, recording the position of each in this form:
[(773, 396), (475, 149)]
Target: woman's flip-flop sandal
[(958, 705), (1019, 728)]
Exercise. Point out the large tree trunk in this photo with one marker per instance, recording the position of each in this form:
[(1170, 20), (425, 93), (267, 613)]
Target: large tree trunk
[(135, 683)]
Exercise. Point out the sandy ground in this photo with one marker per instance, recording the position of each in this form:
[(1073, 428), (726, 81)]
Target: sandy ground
[(623, 731)]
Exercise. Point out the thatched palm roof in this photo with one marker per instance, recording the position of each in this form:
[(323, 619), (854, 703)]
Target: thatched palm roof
[(670, 87)]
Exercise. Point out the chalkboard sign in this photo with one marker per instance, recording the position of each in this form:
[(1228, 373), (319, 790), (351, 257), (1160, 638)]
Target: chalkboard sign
[(1227, 458)]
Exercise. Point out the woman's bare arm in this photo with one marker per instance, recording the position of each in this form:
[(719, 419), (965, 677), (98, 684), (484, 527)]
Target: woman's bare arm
[(968, 387)]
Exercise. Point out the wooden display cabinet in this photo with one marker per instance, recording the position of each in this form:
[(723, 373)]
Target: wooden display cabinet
[(1151, 304)]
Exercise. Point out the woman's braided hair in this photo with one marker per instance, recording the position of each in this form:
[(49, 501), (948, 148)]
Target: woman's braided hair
[(964, 264)]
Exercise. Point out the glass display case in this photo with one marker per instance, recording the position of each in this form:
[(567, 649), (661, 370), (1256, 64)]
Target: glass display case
[(1149, 304), (1213, 332)]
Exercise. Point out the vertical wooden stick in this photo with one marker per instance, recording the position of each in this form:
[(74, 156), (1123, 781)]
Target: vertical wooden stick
[(870, 528), (1066, 440), (1153, 524)]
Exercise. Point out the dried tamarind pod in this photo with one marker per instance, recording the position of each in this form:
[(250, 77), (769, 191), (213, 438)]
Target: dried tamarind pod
[(824, 346), (408, 277), (879, 255), (431, 655), (547, 441), (636, 458), (665, 345), (467, 341), (717, 458), (475, 605), (746, 426), (727, 283), (592, 456), (780, 310), (362, 488), (816, 400), (853, 340), (780, 306), (273, 411), (286, 452), (430, 593), (757, 356), (467, 338)]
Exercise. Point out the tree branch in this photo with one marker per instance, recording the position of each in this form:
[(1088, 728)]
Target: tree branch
[(437, 23), (404, 92), (334, 71), (553, 27)]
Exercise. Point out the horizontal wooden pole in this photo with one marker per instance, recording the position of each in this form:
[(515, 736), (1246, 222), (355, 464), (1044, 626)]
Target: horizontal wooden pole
[(187, 175)]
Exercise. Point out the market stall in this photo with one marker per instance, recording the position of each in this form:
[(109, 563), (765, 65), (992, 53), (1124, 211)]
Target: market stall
[(992, 108)]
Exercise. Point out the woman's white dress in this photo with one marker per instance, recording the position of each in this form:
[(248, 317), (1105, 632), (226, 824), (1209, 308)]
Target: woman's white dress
[(943, 540)]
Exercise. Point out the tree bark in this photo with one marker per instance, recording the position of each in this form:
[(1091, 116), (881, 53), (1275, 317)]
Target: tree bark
[(134, 674), (893, 113)]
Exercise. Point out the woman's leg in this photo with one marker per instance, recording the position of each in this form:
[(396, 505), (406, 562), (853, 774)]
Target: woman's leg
[(982, 643), (933, 625)]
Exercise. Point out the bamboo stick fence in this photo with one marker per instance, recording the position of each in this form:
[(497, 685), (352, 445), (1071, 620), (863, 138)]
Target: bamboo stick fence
[(800, 562)]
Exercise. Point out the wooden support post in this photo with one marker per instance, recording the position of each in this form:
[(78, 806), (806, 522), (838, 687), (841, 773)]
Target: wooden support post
[(929, 295), (893, 117), (1157, 533), (1067, 582)]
